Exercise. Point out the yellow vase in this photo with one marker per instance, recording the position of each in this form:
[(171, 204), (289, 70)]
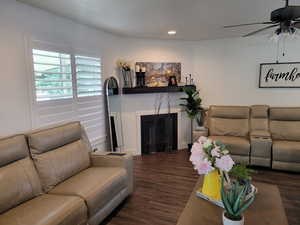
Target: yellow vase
[(212, 185)]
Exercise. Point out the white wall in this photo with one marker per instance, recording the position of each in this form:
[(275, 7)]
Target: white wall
[(227, 71), (19, 22)]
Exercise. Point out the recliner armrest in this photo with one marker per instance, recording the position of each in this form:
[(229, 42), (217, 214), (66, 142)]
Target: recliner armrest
[(198, 133), (260, 134), (105, 160)]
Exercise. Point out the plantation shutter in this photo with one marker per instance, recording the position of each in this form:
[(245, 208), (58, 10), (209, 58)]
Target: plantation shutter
[(67, 87), (88, 76), (90, 96), (52, 75)]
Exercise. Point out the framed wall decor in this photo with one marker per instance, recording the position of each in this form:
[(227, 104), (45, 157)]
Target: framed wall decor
[(158, 73), (279, 75)]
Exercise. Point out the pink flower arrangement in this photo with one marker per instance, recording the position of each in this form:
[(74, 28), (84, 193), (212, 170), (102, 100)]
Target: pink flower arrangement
[(208, 155)]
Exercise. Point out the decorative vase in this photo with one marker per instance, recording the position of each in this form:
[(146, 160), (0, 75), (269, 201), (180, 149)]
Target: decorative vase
[(212, 185), (227, 221), (127, 78)]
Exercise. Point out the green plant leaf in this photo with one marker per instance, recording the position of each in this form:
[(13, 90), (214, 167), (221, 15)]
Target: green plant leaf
[(246, 205), (224, 198), (226, 203), (192, 103), (231, 197), (239, 200)]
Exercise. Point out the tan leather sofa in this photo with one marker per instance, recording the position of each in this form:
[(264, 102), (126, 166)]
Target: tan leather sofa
[(50, 177), (230, 124), (285, 130), (258, 135)]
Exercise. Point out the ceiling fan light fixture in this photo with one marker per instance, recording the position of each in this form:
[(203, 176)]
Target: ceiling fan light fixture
[(286, 18), (279, 35), (172, 32)]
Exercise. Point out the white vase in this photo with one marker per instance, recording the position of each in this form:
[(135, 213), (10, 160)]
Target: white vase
[(227, 221)]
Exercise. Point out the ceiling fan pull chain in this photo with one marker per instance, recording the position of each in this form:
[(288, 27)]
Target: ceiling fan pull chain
[(283, 48), (277, 53)]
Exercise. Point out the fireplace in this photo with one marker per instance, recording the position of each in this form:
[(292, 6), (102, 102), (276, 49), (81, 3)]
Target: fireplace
[(159, 133)]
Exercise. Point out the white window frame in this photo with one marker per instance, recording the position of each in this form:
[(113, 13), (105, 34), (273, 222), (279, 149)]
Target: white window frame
[(46, 46)]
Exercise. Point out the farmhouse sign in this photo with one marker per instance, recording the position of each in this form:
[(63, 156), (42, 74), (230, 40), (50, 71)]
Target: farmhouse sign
[(279, 75)]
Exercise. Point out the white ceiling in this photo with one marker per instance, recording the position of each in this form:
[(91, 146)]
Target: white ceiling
[(192, 19)]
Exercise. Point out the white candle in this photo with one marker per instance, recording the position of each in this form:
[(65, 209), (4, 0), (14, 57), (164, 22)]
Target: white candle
[(137, 68), (144, 69)]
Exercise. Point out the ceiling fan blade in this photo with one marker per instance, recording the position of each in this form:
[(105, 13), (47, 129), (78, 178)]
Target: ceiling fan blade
[(247, 24), (260, 30)]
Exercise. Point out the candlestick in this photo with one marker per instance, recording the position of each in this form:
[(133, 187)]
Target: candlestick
[(137, 68)]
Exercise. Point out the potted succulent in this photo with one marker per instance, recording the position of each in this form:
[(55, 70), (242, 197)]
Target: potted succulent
[(192, 106), (236, 201)]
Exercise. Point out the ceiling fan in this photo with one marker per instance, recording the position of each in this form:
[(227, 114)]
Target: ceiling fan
[(287, 19)]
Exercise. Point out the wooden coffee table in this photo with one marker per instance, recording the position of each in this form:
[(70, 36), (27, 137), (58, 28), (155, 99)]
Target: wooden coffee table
[(266, 209)]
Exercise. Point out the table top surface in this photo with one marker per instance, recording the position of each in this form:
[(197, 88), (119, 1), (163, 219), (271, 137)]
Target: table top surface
[(266, 209)]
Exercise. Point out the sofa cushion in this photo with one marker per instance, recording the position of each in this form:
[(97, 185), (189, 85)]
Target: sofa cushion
[(285, 113), (12, 149), (285, 123), (229, 112), (259, 111), (228, 121), (48, 139), (19, 182), (259, 124), (57, 165), (286, 151), (287, 166), (235, 145), (228, 127), (96, 185), (47, 210), (285, 130), (240, 159), (59, 152)]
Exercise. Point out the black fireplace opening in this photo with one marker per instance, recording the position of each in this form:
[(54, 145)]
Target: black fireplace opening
[(159, 133)]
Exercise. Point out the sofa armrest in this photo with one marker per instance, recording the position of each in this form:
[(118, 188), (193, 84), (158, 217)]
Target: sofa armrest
[(261, 151), (106, 160), (199, 133), (260, 134)]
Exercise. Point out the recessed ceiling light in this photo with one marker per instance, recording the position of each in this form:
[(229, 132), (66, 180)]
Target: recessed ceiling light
[(172, 32)]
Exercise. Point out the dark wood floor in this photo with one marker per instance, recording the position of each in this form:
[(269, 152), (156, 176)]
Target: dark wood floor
[(164, 182)]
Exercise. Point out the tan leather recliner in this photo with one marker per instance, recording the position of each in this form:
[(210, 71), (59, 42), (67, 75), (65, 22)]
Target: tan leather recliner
[(230, 124), (21, 197), (82, 187), (66, 167), (285, 130)]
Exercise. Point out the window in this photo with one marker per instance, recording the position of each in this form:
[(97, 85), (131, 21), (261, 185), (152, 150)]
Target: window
[(68, 87), (52, 75), (88, 75)]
